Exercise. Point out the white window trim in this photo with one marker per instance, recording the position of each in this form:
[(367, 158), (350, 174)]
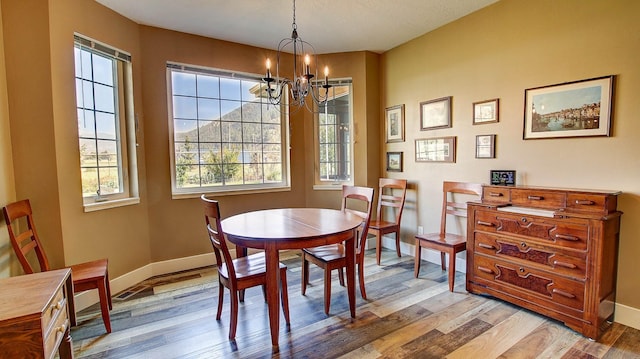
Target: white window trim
[(129, 122)]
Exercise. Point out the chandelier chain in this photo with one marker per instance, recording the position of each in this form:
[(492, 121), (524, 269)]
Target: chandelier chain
[(293, 25)]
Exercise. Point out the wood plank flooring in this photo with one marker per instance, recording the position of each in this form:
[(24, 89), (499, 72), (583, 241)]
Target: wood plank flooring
[(173, 316)]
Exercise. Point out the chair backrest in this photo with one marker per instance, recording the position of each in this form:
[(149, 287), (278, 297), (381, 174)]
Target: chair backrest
[(24, 242), (391, 195), (216, 235), (350, 196), (449, 206)]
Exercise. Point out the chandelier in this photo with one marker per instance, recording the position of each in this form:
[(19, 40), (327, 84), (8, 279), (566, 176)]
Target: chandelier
[(302, 87)]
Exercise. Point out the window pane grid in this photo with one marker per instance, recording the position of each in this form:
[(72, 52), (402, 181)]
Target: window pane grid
[(99, 139), (334, 137), (220, 132)]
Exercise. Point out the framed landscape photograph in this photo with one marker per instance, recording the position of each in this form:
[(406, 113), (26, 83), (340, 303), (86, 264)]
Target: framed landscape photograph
[(437, 149), (435, 114), (394, 161), (485, 111), (572, 109), (486, 146), (394, 123)]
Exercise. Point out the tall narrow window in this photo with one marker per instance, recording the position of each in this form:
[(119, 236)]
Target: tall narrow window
[(103, 83), (334, 148), (226, 137)]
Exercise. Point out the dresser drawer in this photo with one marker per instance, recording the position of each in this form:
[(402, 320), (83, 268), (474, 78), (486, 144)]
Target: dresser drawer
[(565, 262), (593, 203), (57, 305), (56, 332), (496, 195), (514, 279), (538, 198), (565, 233)]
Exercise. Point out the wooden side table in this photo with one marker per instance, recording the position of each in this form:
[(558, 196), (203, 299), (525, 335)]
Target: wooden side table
[(36, 313)]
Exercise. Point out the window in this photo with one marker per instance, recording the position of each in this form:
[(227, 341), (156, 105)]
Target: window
[(334, 148), (104, 101), (226, 137)]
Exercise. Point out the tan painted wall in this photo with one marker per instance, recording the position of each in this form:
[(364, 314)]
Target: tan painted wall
[(7, 186), (38, 38), (499, 52)]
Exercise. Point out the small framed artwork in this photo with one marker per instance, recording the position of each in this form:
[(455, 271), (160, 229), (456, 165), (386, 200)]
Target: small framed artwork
[(437, 149), (571, 109), (435, 114), (394, 161), (486, 111), (394, 123), (486, 146), (503, 177)]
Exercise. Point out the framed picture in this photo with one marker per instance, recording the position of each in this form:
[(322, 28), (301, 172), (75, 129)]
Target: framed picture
[(486, 146), (503, 177), (437, 149), (394, 161), (486, 111), (435, 114), (572, 109), (394, 123)]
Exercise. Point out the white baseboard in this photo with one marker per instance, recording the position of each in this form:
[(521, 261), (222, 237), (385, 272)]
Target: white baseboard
[(624, 314)]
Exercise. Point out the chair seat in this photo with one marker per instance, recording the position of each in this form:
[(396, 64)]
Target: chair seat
[(89, 271), (446, 239), (327, 253), (246, 267), (381, 225)]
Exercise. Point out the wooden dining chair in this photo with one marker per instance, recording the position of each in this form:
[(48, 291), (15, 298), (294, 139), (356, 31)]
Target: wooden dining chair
[(85, 276), (356, 200), (240, 273), (443, 241), (388, 201)]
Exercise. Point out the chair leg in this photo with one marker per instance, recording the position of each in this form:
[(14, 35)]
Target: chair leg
[(341, 276), (220, 300), (452, 270), (304, 274), (327, 290), (416, 258), (284, 295), (234, 315), (361, 280), (398, 244), (241, 295), (104, 304), (443, 262), (378, 246), (106, 280), (264, 293)]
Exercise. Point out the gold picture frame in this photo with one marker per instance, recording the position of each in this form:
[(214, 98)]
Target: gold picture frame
[(435, 114)]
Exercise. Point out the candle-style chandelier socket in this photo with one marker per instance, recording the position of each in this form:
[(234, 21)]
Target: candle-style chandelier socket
[(301, 85)]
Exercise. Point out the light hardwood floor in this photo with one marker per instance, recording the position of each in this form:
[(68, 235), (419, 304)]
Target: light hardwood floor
[(173, 316)]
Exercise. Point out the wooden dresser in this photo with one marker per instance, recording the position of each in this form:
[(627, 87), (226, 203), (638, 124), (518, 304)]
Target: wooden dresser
[(36, 312), (550, 250)]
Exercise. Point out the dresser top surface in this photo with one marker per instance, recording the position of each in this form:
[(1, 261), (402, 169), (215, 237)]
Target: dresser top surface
[(29, 294), (559, 189)]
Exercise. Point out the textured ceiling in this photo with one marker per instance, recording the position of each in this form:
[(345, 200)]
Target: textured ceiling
[(329, 25)]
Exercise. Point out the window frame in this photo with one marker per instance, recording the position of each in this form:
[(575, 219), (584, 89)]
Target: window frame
[(320, 184), (125, 125), (196, 191)]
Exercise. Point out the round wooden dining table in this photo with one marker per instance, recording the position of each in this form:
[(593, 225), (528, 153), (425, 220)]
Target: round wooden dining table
[(293, 228)]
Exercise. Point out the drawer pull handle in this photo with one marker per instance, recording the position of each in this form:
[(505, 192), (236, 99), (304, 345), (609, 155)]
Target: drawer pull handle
[(495, 194), (563, 293), (483, 223), (523, 245), (535, 198), (486, 246), (563, 264), (585, 202), (486, 270), (57, 306), (567, 237)]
